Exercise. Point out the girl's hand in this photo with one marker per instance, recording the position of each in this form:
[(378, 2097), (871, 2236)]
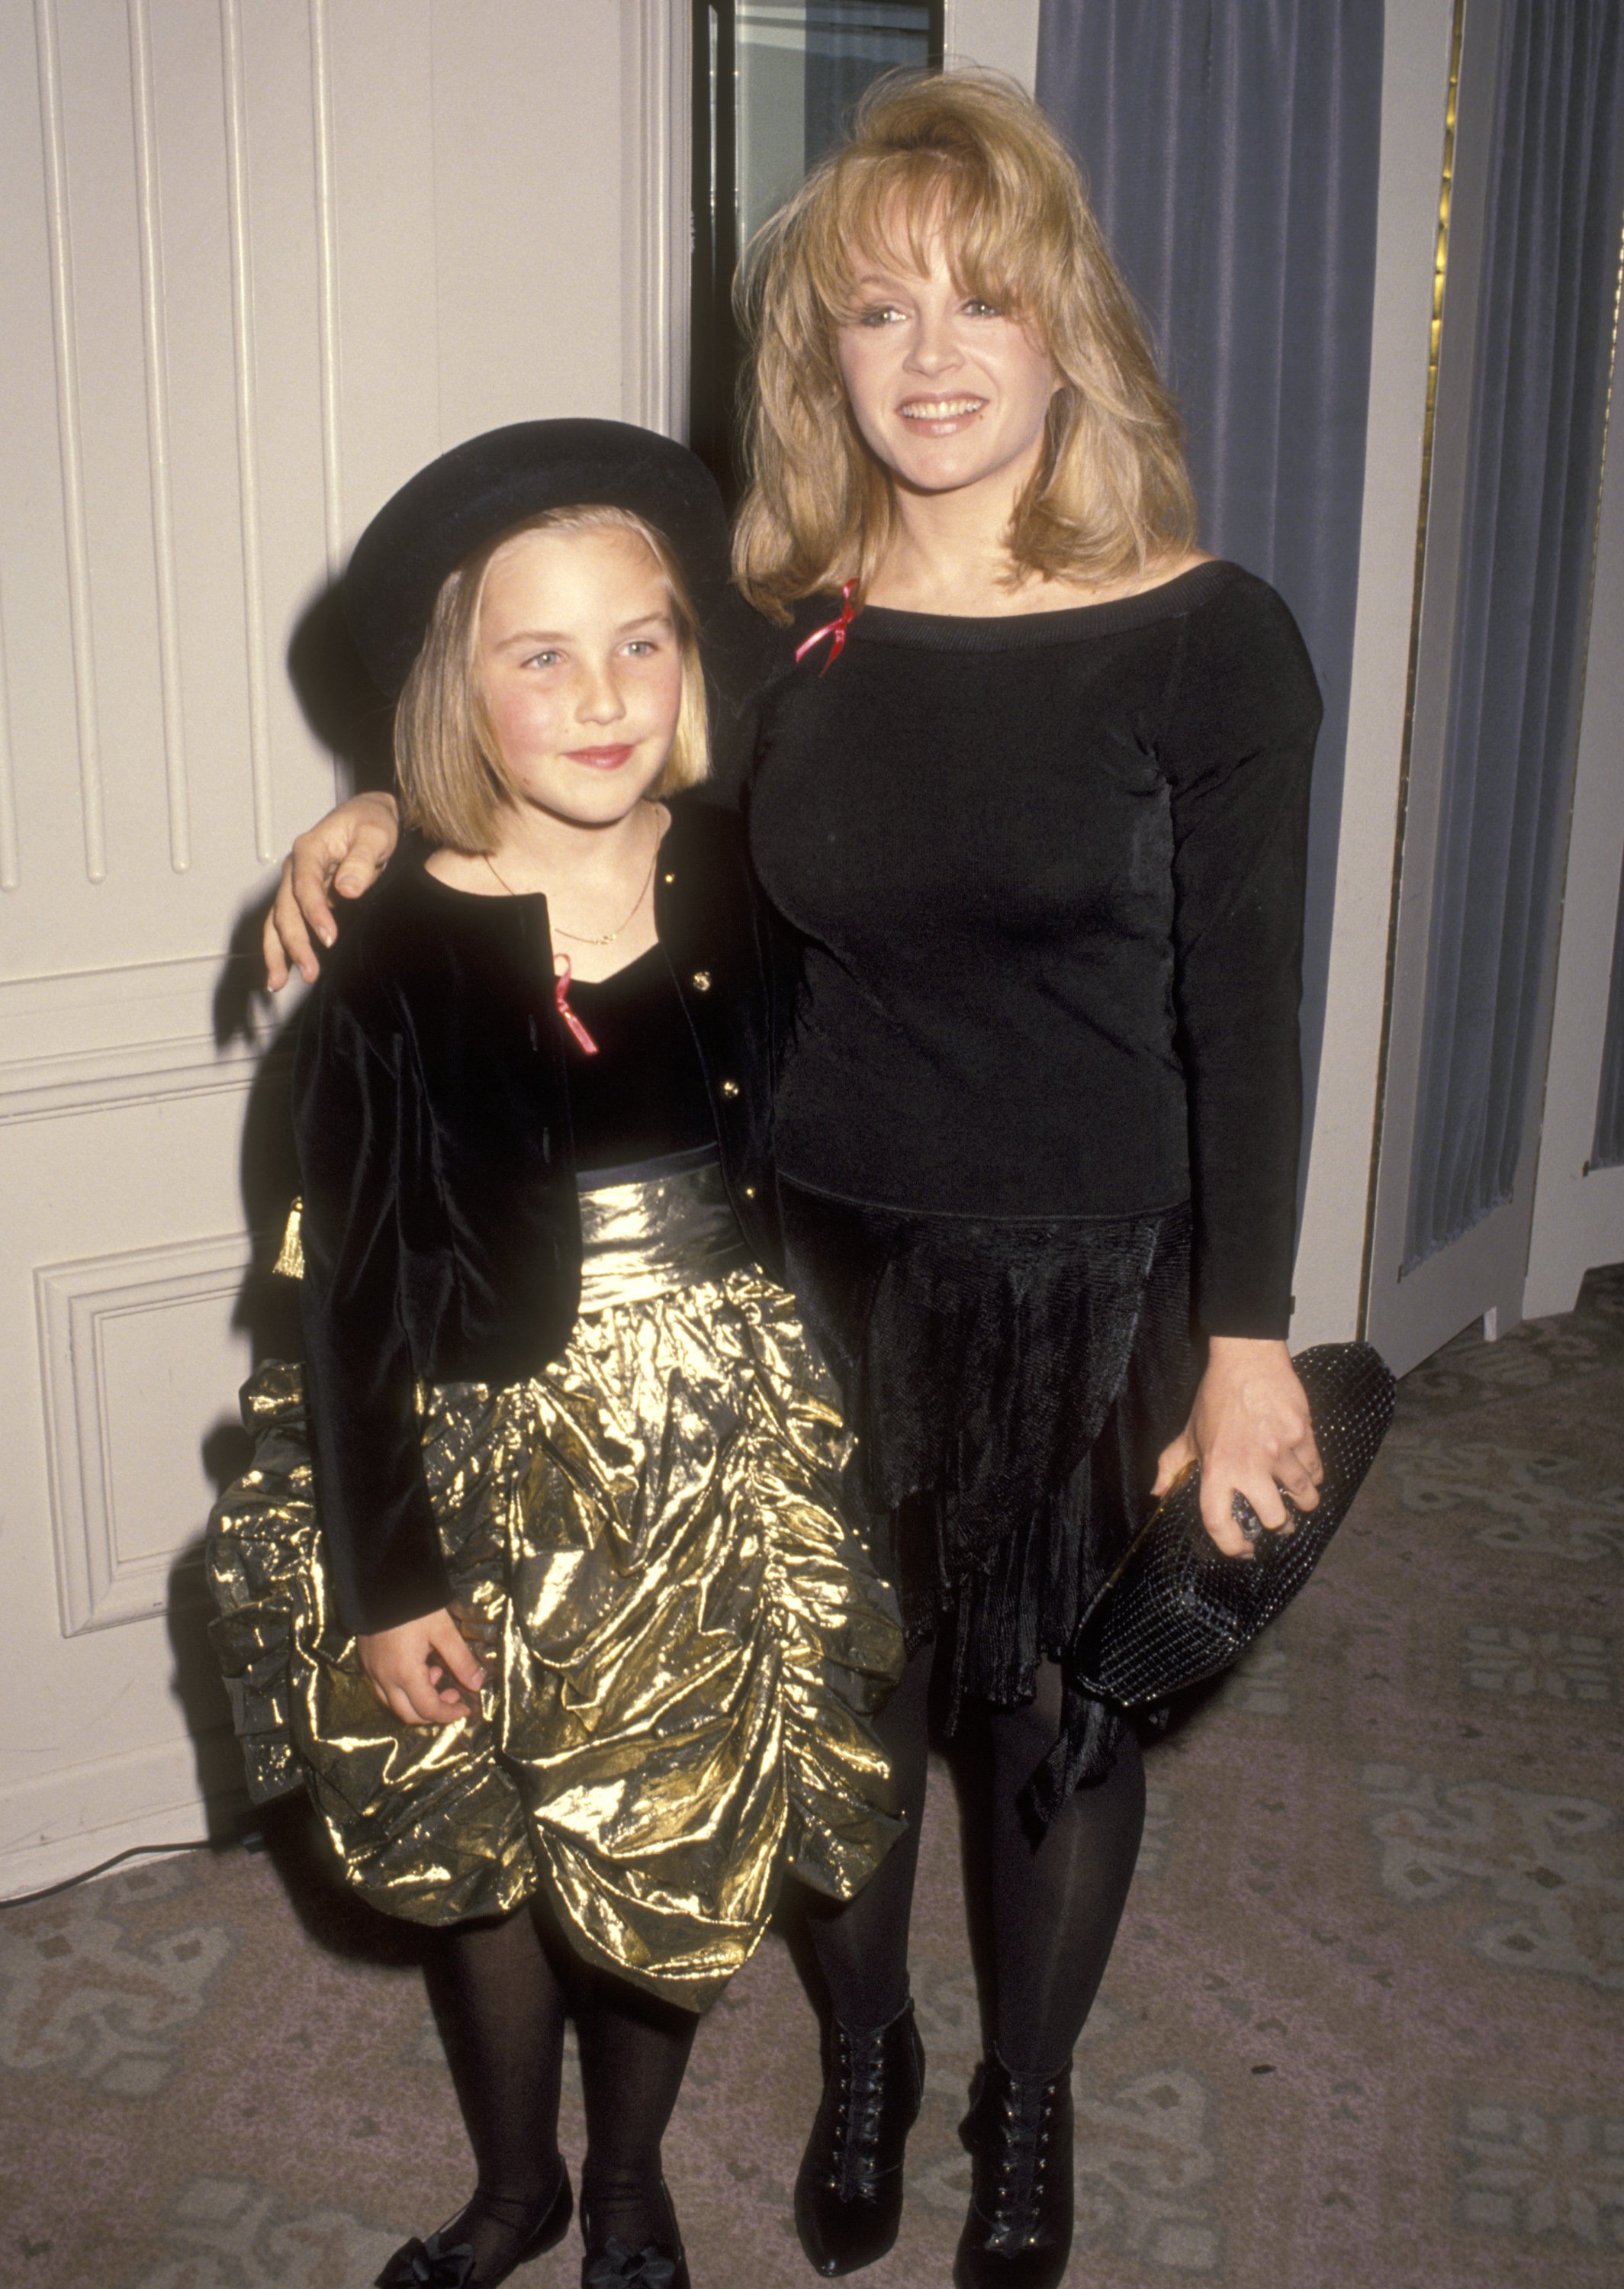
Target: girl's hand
[(345, 852), (481, 1634), (1250, 1432), (422, 1671)]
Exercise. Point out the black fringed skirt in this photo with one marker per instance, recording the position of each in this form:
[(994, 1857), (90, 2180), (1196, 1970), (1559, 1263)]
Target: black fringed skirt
[(1011, 1381)]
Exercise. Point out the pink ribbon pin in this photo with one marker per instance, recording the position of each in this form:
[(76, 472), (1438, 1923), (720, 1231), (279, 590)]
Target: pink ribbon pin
[(834, 628), (561, 995)]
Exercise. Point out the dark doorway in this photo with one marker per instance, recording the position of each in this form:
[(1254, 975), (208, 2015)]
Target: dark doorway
[(775, 82)]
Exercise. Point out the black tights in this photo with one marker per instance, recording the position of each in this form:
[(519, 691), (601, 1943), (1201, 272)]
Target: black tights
[(499, 1996), (1055, 1906)]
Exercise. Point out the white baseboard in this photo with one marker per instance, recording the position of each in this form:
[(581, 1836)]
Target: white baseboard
[(62, 1824)]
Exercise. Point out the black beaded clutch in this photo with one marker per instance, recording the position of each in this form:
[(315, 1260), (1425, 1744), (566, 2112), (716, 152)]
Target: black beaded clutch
[(1175, 1609)]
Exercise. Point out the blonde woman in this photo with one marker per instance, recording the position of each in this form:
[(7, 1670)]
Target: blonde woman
[(1031, 783)]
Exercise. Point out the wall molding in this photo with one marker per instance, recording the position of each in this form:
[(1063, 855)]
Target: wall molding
[(9, 854), (88, 1040), (92, 793), (100, 1583), (239, 233), (327, 282), (156, 352), (655, 106), (104, 1080)]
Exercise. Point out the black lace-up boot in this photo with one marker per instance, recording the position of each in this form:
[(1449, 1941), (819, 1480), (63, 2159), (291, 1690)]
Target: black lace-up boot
[(1018, 2233), (848, 2198)]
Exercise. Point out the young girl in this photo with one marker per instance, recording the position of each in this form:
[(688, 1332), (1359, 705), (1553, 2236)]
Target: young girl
[(565, 1634), (1030, 779)]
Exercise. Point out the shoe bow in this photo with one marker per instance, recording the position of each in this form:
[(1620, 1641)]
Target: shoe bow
[(618, 2266), (425, 2265)]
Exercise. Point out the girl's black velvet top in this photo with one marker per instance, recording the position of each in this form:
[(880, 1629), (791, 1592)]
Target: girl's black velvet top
[(641, 1093), (441, 1223), (1049, 872)]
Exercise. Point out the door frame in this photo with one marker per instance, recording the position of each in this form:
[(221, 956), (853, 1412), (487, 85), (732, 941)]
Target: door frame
[(1408, 1314), (656, 173), (1579, 1210)]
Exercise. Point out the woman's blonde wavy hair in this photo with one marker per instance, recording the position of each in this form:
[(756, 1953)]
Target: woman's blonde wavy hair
[(452, 784), (969, 154)]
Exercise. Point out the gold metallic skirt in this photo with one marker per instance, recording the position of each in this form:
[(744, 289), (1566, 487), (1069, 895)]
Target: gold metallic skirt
[(691, 1642)]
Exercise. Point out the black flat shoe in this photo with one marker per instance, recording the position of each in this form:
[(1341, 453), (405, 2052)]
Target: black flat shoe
[(1018, 2233), (849, 2197), (445, 2260), (614, 2264)]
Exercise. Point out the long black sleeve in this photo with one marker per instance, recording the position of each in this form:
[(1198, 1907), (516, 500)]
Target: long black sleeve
[(382, 1542), (1239, 750)]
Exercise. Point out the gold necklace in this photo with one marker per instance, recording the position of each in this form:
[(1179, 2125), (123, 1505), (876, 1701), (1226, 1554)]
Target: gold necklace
[(580, 937)]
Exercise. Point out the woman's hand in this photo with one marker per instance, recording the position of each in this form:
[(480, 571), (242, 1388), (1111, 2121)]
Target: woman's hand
[(1250, 1432), (423, 1672), (345, 852)]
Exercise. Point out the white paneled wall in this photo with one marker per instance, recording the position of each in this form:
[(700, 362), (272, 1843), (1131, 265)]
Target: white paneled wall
[(262, 259)]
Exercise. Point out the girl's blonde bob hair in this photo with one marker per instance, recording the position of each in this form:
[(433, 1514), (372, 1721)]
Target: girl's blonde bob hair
[(453, 786), (968, 156)]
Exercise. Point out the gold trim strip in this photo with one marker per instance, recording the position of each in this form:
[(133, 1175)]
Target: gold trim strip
[(1440, 266)]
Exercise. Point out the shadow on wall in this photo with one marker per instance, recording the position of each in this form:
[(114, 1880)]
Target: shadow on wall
[(343, 707), (195, 1683), (344, 711)]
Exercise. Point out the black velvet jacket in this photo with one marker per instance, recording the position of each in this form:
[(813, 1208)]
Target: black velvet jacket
[(442, 1223)]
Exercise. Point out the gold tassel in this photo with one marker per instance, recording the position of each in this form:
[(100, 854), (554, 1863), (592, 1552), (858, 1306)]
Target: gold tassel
[(290, 1256)]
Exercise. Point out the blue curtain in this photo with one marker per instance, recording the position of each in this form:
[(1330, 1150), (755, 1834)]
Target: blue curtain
[(1607, 1152), (1233, 150), (1534, 446)]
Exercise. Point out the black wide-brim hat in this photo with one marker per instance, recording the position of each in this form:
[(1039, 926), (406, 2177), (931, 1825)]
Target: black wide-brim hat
[(470, 496)]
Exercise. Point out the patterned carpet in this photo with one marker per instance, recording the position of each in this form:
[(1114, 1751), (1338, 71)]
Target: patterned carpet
[(1363, 2025)]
